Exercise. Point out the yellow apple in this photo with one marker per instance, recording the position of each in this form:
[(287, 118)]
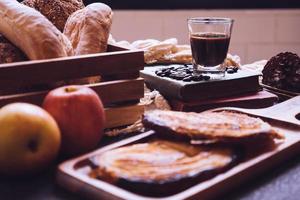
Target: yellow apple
[(29, 139)]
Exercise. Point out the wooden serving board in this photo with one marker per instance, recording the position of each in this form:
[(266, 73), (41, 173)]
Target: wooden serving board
[(284, 117), (282, 94)]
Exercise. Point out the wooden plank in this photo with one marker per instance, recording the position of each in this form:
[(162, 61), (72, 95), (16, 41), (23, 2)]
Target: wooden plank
[(110, 92), (121, 116), (111, 48), (44, 71), (121, 76), (120, 91), (22, 87)]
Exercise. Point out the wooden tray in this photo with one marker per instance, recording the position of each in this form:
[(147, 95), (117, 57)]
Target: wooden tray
[(118, 68), (282, 94), (284, 117)]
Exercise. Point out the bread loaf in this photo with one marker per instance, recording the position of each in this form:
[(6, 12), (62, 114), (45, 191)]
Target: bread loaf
[(88, 29), (57, 11), (9, 52), (33, 33)]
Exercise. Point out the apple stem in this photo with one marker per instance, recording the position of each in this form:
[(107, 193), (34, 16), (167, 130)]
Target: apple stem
[(70, 89)]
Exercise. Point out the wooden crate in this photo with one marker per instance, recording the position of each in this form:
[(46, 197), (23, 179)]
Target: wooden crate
[(120, 88)]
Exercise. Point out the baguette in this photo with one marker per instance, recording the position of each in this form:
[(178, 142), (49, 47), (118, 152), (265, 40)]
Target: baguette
[(33, 33), (88, 29)]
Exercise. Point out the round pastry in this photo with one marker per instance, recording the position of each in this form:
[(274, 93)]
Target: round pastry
[(88, 29), (57, 11), (283, 71), (9, 52)]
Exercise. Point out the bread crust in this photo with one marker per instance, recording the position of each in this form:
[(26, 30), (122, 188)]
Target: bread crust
[(57, 11), (9, 52), (88, 29), (33, 33)]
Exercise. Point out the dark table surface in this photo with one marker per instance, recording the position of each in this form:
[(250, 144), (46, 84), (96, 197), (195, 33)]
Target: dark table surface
[(280, 183)]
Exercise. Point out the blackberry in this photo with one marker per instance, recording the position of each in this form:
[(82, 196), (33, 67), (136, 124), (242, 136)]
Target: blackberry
[(283, 71)]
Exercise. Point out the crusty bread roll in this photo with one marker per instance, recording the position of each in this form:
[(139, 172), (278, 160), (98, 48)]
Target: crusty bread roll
[(33, 33), (9, 52), (88, 29), (57, 11)]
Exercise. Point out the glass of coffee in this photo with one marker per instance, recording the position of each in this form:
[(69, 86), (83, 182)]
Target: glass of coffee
[(209, 38)]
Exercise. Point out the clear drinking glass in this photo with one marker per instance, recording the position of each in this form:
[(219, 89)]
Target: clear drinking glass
[(209, 39)]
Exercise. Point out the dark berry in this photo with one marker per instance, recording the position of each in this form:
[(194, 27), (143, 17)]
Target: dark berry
[(197, 78), (187, 79), (231, 71), (206, 78)]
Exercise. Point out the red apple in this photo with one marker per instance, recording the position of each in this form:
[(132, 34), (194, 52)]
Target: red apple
[(79, 112)]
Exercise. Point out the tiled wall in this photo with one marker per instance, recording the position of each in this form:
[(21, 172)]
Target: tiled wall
[(257, 34)]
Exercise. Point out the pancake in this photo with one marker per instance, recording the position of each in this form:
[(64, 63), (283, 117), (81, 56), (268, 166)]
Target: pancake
[(226, 126), (159, 166)]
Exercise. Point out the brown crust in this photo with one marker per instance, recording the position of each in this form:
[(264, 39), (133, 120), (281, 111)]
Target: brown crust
[(88, 29), (9, 52), (221, 126), (57, 11), (32, 32)]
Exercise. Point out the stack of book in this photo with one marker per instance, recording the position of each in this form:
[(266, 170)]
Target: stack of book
[(240, 89)]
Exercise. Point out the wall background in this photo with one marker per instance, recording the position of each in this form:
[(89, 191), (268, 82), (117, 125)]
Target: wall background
[(196, 4), (257, 34)]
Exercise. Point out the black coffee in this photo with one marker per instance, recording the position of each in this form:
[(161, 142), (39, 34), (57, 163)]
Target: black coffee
[(209, 49)]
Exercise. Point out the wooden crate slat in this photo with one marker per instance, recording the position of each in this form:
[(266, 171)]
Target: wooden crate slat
[(121, 116), (120, 91), (44, 71), (111, 48), (110, 92), (121, 76)]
